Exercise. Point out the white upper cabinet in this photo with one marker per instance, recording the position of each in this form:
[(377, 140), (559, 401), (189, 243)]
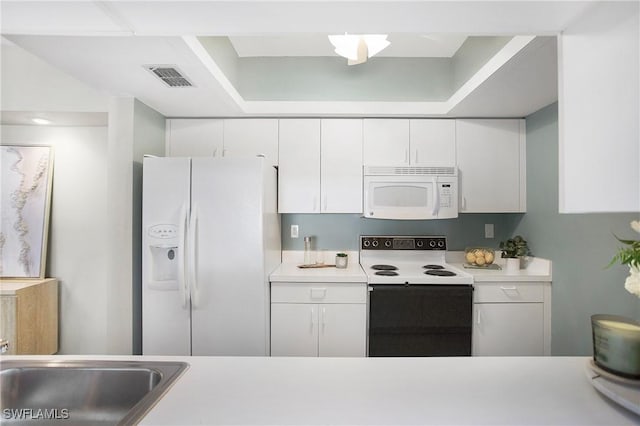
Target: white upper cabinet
[(320, 166), (211, 137), (341, 165), (194, 137), (432, 142), (299, 166), (250, 137), (403, 142), (598, 110), (386, 142), (491, 165)]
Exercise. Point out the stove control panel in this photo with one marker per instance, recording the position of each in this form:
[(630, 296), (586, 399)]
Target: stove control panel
[(402, 243)]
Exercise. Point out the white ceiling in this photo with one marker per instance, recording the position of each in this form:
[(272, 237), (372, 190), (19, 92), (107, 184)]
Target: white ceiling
[(106, 43)]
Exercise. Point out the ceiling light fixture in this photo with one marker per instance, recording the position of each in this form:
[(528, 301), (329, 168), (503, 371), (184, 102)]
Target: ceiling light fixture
[(42, 121), (358, 48)]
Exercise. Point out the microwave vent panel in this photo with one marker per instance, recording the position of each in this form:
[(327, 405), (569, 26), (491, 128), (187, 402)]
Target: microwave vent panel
[(409, 171)]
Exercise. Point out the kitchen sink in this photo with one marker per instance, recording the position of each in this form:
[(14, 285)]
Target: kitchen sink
[(35, 392)]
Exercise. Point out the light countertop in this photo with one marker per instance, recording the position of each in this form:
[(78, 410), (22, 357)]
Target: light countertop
[(289, 271), (537, 270), (375, 391)]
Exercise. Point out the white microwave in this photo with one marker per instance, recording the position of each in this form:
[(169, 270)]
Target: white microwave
[(410, 192)]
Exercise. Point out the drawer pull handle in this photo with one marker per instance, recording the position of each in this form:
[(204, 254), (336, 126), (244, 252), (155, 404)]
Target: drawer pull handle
[(509, 288)]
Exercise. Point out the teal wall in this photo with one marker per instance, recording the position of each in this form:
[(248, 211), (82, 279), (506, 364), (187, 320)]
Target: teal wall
[(580, 245), (331, 79), (341, 231)]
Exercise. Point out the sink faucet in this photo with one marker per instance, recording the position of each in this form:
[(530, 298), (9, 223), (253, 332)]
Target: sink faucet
[(4, 345)]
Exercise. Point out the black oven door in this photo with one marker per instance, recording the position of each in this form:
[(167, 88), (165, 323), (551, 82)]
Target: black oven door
[(420, 320)]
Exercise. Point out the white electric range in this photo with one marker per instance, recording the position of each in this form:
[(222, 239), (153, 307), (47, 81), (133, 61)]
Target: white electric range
[(418, 304), (408, 260)]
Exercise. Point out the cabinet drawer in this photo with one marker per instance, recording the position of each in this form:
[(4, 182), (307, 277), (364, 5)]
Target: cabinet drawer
[(508, 292), (318, 292)]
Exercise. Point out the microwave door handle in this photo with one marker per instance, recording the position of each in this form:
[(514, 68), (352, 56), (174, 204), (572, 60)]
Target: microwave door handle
[(436, 197)]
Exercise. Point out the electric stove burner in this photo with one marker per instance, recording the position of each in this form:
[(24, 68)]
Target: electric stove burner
[(433, 267), (384, 268), (440, 273), (387, 273)]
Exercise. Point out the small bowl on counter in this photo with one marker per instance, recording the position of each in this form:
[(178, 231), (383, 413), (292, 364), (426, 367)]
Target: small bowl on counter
[(481, 257)]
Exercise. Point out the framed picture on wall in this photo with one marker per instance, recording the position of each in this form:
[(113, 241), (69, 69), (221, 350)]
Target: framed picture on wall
[(25, 202)]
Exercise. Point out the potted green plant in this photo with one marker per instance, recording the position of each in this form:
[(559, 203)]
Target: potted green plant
[(515, 248)]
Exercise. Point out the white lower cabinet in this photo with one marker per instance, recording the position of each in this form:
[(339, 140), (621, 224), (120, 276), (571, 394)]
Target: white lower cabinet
[(511, 319), (318, 319)]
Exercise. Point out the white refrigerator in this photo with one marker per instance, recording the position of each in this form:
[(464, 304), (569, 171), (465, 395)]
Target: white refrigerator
[(211, 236)]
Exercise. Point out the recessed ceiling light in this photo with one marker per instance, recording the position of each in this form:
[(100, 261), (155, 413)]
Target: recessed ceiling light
[(39, 120)]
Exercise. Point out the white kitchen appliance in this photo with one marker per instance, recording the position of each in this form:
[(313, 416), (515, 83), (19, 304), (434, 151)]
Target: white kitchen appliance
[(410, 192), (211, 236), (418, 304)]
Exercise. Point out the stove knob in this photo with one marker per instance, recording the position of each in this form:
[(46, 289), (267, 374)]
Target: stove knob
[(387, 243), (441, 243), (432, 243), (420, 244), (366, 243), (375, 243)]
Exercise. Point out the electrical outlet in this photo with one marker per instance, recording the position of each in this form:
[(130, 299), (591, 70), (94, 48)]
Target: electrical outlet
[(488, 230), (294, 231)]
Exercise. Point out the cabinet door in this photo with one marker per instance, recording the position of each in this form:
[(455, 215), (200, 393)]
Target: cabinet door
[(294, 329), (341, 166), (342, 329), (491, 165), (194, 137), (250, 137), (433, 142), (508, 329), (299, 166), (386, 142)]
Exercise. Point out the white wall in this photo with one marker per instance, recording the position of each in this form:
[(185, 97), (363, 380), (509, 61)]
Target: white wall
[(78, 229)]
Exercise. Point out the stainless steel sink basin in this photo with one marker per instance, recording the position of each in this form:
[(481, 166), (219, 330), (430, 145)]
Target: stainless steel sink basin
[(36, 392)]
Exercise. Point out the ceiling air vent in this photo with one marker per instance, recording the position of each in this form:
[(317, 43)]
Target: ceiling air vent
[(170, 75)]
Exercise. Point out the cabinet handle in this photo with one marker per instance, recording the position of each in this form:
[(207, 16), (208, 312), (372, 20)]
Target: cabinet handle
[(478, 316), (406, 156), (325, 202), (313, 318), (416, 156), (324, 318), (512, 288), (464, 203)]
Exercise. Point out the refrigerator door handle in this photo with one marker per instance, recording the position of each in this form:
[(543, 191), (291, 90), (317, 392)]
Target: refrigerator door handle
[(193, 256), (182, 258)]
